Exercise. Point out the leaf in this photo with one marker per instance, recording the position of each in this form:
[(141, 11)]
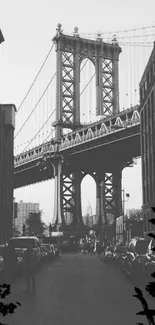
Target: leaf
[(139, 292), (153, 209), (18, 303), (152, 220), (152, 312), (141, 313), (151, 235)]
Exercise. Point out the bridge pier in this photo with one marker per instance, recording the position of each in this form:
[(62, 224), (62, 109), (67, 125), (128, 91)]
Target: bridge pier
[(67, 195), (70, 51), (109, 198)]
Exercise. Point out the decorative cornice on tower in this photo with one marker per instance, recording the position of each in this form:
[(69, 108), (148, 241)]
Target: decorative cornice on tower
[(114, 40), (75, 33), (99, 37), (59, 30)]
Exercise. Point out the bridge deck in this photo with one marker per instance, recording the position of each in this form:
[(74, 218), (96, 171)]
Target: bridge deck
[(116, 138)]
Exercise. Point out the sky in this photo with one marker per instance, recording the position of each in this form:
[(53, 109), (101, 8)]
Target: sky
[(28, 27)]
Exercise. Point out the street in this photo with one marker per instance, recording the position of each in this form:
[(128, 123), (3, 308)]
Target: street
[(76, 290)]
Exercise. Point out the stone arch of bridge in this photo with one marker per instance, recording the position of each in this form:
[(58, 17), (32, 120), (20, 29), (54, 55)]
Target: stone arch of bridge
[(87, 90)]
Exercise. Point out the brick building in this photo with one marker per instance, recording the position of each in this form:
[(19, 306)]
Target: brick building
[(23, 210), (147, 112)]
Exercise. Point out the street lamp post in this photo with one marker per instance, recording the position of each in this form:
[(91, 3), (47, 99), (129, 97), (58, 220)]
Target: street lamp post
[(124, 195)]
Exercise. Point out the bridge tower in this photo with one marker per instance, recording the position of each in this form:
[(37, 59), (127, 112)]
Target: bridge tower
[(70, 51)]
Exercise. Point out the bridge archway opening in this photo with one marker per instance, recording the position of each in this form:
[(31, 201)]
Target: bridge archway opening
[(87, 91), (88, 200)]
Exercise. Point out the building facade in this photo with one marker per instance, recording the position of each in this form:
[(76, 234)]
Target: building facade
[(7, 126), (90, 221), (147, 112), (119, 229), (23, 210)]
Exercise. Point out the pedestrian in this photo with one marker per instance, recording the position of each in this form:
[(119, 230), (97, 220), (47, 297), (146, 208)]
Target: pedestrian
[(29, 269), (10, 264), (94, 249)]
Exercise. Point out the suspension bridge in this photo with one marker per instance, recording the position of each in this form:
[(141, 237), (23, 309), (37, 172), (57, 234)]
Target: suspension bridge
[(83, 118)]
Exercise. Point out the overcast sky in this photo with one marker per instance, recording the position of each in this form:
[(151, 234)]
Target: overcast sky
[(28, 27)]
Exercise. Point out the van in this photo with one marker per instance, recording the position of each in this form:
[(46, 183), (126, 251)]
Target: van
[(26, 242)]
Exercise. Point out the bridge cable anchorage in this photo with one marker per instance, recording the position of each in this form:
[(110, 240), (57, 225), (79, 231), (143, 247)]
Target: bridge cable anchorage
[(35, 105), (39, 131), (35, 78)]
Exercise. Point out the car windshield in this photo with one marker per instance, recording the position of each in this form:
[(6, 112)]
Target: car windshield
[(1, 250), (141, 246), (120, 249), (47, 246), (22, 243), (42, 249), (110, 249)]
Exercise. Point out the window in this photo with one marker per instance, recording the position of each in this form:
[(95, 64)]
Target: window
[(145, 85), (110, 249), (153, 68), (150, 78), (22, 243)]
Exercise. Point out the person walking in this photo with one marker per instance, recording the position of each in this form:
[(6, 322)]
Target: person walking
[(29, 269), (10, 264)]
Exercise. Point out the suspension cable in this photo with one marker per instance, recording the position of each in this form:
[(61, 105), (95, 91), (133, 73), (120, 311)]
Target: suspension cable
[(119, 31), (42, 94), (48, 136), (36, 105), (35, 78), (84, 65), (87, 84), (38, 131)]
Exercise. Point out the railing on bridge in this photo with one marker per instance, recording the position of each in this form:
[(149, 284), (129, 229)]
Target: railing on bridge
[(125, 119)]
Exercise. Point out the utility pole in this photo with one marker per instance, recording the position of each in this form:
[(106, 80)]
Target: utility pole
[(123, 205)]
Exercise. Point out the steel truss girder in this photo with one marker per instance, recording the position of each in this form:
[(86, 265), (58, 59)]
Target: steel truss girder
[(107, 87), (67, 195), (109, 196), (68, 89)]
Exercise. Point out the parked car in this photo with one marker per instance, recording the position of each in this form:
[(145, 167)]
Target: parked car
[(57, 250), (43, 254), (1, 258), (49, 250), (135, 259), (119, 252), (150, 260), (108, 255), (53, 248), (26, 242), (19, 253)]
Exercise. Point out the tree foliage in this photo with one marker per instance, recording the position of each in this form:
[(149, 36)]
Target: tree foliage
[(149, 313), (135, 214), (6, 308), (16, 231), (34, 224)]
